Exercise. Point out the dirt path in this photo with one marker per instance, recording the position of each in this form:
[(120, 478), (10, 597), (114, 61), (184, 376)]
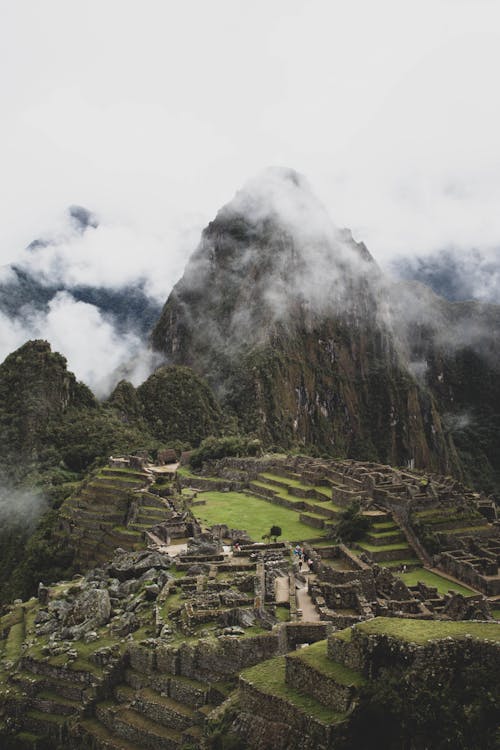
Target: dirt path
[(282, 590), (306, 604), (174, 549)]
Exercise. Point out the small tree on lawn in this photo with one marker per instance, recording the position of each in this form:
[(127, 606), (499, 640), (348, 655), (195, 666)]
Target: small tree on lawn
[(275, 532)]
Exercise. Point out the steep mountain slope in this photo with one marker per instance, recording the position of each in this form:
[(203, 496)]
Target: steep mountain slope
[(452, 348), (286, 316), (36, 391)]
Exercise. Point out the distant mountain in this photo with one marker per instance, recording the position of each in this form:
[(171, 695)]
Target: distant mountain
[(455, 274), (24, 291)]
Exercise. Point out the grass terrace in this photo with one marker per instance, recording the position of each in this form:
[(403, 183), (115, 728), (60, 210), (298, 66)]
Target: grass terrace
[(241, 511), (316, 657), (423, 631), (184, 471), (285, 494), (382, 547), (326, 491), (280, 491), (269, 678), (443, 585)]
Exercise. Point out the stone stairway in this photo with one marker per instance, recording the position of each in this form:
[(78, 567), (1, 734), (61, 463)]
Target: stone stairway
[(386, 543)]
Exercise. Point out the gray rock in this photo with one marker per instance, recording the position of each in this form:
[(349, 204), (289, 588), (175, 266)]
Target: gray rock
[(130, 587), (93, 607), (125, 624), (134, 564), (152, 591), (233, 630)]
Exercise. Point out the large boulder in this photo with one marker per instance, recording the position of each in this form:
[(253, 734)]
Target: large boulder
[(92, 608)]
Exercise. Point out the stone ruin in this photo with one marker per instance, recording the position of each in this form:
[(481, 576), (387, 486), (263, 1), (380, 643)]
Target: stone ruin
[(143, 650)]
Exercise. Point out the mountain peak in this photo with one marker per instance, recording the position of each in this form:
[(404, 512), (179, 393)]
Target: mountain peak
[(284, 199), (81, 218)]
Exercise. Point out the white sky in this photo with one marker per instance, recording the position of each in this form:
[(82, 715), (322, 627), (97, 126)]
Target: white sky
[(152, 113)]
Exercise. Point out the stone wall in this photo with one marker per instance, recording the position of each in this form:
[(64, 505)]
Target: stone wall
[(466, 572), (368, 653), (301, 729), (318, 685), (296, 633)]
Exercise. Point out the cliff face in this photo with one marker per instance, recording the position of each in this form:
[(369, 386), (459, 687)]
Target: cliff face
[(285, 315), (452, 348)]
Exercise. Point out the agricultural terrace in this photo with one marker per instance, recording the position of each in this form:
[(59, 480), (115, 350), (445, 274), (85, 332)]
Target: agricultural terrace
[(423, 631)]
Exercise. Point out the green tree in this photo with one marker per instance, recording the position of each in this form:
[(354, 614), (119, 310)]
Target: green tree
[(352, 525), (275, 532)]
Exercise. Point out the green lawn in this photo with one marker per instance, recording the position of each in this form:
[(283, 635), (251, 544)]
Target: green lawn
[(421, 631), (443, 585), (256, 516)]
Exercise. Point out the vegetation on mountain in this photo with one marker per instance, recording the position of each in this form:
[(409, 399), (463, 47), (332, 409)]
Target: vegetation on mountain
[(179, 406), (52, 430), (232, 445)]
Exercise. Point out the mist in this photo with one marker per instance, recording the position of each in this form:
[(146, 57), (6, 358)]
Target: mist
[(20, 506)]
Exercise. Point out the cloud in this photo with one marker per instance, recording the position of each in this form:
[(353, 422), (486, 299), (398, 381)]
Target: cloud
[(393, 119), (106, 255)]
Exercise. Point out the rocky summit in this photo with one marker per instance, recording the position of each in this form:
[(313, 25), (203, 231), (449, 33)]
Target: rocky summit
[(303, 339)]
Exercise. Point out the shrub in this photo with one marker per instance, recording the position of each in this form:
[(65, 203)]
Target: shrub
[(234, 445)]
